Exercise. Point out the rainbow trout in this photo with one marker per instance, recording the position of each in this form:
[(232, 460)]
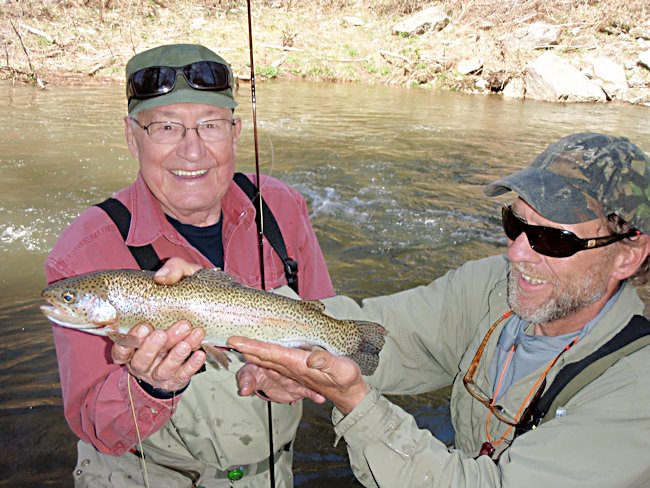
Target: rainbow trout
[(111, 302)]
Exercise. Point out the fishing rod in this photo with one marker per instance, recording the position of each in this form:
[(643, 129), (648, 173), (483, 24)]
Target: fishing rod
[(259, 220)]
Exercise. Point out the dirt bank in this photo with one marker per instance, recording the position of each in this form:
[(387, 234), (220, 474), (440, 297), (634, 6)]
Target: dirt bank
[(66, 42)]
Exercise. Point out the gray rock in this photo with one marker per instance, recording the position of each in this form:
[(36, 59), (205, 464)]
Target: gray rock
[(515, 89), (610, 76), (640, 33), (432, 18), (551, 78), (472, 65), (534, 36), (355, 21), (644, 59), (587, 41)]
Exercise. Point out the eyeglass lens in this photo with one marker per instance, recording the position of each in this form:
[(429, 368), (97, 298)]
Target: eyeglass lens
[(556, 243), (158, 80), (173, 132), (545, 240)]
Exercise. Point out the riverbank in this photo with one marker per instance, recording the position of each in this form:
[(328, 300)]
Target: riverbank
[(481, 46)]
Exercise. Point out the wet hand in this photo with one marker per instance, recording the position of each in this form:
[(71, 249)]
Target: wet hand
[(271, 385), (335, 377), (166, 360)]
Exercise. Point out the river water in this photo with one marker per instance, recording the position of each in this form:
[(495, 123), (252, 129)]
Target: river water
[(393, 178)]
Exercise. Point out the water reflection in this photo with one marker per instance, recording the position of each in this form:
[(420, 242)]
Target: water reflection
[(393, 178)]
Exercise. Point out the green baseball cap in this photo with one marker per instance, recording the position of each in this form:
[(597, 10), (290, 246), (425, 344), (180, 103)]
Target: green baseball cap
[(584, 176), (176, 56)]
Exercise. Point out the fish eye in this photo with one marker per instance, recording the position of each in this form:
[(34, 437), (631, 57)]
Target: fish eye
[(68, 296)]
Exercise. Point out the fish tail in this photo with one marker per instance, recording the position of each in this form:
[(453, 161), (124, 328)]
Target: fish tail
[(372, 341)]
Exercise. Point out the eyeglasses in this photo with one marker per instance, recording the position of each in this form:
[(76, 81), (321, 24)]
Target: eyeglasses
[(553, 242), (155, 81), (173, 132), (525, 412), (468, 380)]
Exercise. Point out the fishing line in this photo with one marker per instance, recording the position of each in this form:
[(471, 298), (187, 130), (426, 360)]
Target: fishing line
[(137, 431), (260, 221)]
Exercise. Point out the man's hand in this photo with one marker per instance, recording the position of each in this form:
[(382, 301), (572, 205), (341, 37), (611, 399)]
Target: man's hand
[(166, 360), (271, 385), (174, 270), (334, 377)]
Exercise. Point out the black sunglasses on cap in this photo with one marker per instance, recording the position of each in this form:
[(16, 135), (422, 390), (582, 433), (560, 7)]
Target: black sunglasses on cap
[(556, 243), (155, 81)]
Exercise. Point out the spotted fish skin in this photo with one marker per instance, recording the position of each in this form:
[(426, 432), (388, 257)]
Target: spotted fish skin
[(116, 300)]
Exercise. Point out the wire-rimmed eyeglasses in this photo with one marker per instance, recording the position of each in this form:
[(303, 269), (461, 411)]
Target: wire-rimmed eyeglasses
[(214, 130)]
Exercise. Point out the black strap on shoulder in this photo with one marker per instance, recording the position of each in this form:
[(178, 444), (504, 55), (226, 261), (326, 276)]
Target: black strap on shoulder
[(575, 376), (271, 229), (145, 256)]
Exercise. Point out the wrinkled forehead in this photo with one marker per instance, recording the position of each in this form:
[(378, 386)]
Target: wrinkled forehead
[(185, 110)]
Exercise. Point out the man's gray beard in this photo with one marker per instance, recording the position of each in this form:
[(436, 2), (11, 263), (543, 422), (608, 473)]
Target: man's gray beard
[(579, 293)]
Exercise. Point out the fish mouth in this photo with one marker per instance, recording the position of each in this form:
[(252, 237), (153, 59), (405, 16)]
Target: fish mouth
[(61, 317)]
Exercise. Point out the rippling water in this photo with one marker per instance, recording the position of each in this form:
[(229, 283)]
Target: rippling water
[(393, 177)]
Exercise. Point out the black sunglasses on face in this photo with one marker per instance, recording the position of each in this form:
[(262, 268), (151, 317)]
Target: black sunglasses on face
[(155, 81), (556, 243)]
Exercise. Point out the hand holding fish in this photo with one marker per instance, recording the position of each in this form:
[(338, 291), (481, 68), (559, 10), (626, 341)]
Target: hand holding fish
[(251, 379), (162, 358), (336, 378), (115, 303), (166, 359), (271, 385)]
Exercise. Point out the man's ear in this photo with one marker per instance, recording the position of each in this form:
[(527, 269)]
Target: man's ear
[(236, 134), (130, 137), (631, 256)]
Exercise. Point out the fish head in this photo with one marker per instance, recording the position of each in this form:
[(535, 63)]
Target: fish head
[(79, 303)]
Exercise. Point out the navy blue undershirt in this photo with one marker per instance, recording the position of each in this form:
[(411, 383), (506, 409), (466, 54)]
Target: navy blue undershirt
[(207, 240)]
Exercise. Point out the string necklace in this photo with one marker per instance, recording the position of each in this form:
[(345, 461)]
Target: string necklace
[(488, 447)]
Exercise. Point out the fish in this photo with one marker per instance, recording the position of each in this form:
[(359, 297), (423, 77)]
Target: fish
[(111, 302)]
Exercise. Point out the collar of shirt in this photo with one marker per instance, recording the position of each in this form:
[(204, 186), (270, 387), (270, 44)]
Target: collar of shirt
[(533, 351), (148, 222)]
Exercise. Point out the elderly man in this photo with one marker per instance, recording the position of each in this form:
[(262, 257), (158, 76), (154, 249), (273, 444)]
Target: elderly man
[(546, 347), (195, 429)]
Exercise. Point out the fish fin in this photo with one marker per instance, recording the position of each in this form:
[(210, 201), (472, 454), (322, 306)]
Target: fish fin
[(214, 276), (313, 305), (216, 356), (124, 340), (372, 341)]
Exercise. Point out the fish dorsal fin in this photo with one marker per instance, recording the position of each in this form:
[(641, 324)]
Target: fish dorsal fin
[(313, 305), (213, 276)]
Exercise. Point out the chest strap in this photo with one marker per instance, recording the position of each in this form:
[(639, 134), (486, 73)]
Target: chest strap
[(271, 230), (145, 256), (574, 377), (148, 259)]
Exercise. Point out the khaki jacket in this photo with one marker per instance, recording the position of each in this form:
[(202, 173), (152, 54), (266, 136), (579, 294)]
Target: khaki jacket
[(434, 332)]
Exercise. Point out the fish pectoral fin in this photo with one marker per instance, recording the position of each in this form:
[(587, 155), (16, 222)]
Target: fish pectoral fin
[(124, 340), (216, 356)]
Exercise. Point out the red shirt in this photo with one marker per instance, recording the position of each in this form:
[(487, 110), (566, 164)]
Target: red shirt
[(95, 397)]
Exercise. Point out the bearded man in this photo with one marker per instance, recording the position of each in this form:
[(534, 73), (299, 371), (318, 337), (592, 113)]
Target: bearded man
[(546, 347)]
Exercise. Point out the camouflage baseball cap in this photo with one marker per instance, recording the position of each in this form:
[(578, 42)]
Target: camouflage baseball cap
[(584, 176), (176, 56)]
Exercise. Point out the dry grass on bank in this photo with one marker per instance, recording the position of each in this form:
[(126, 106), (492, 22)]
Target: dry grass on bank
[(66, 41)]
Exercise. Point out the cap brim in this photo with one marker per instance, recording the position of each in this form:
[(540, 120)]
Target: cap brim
[(551, 196), (188, 95)]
